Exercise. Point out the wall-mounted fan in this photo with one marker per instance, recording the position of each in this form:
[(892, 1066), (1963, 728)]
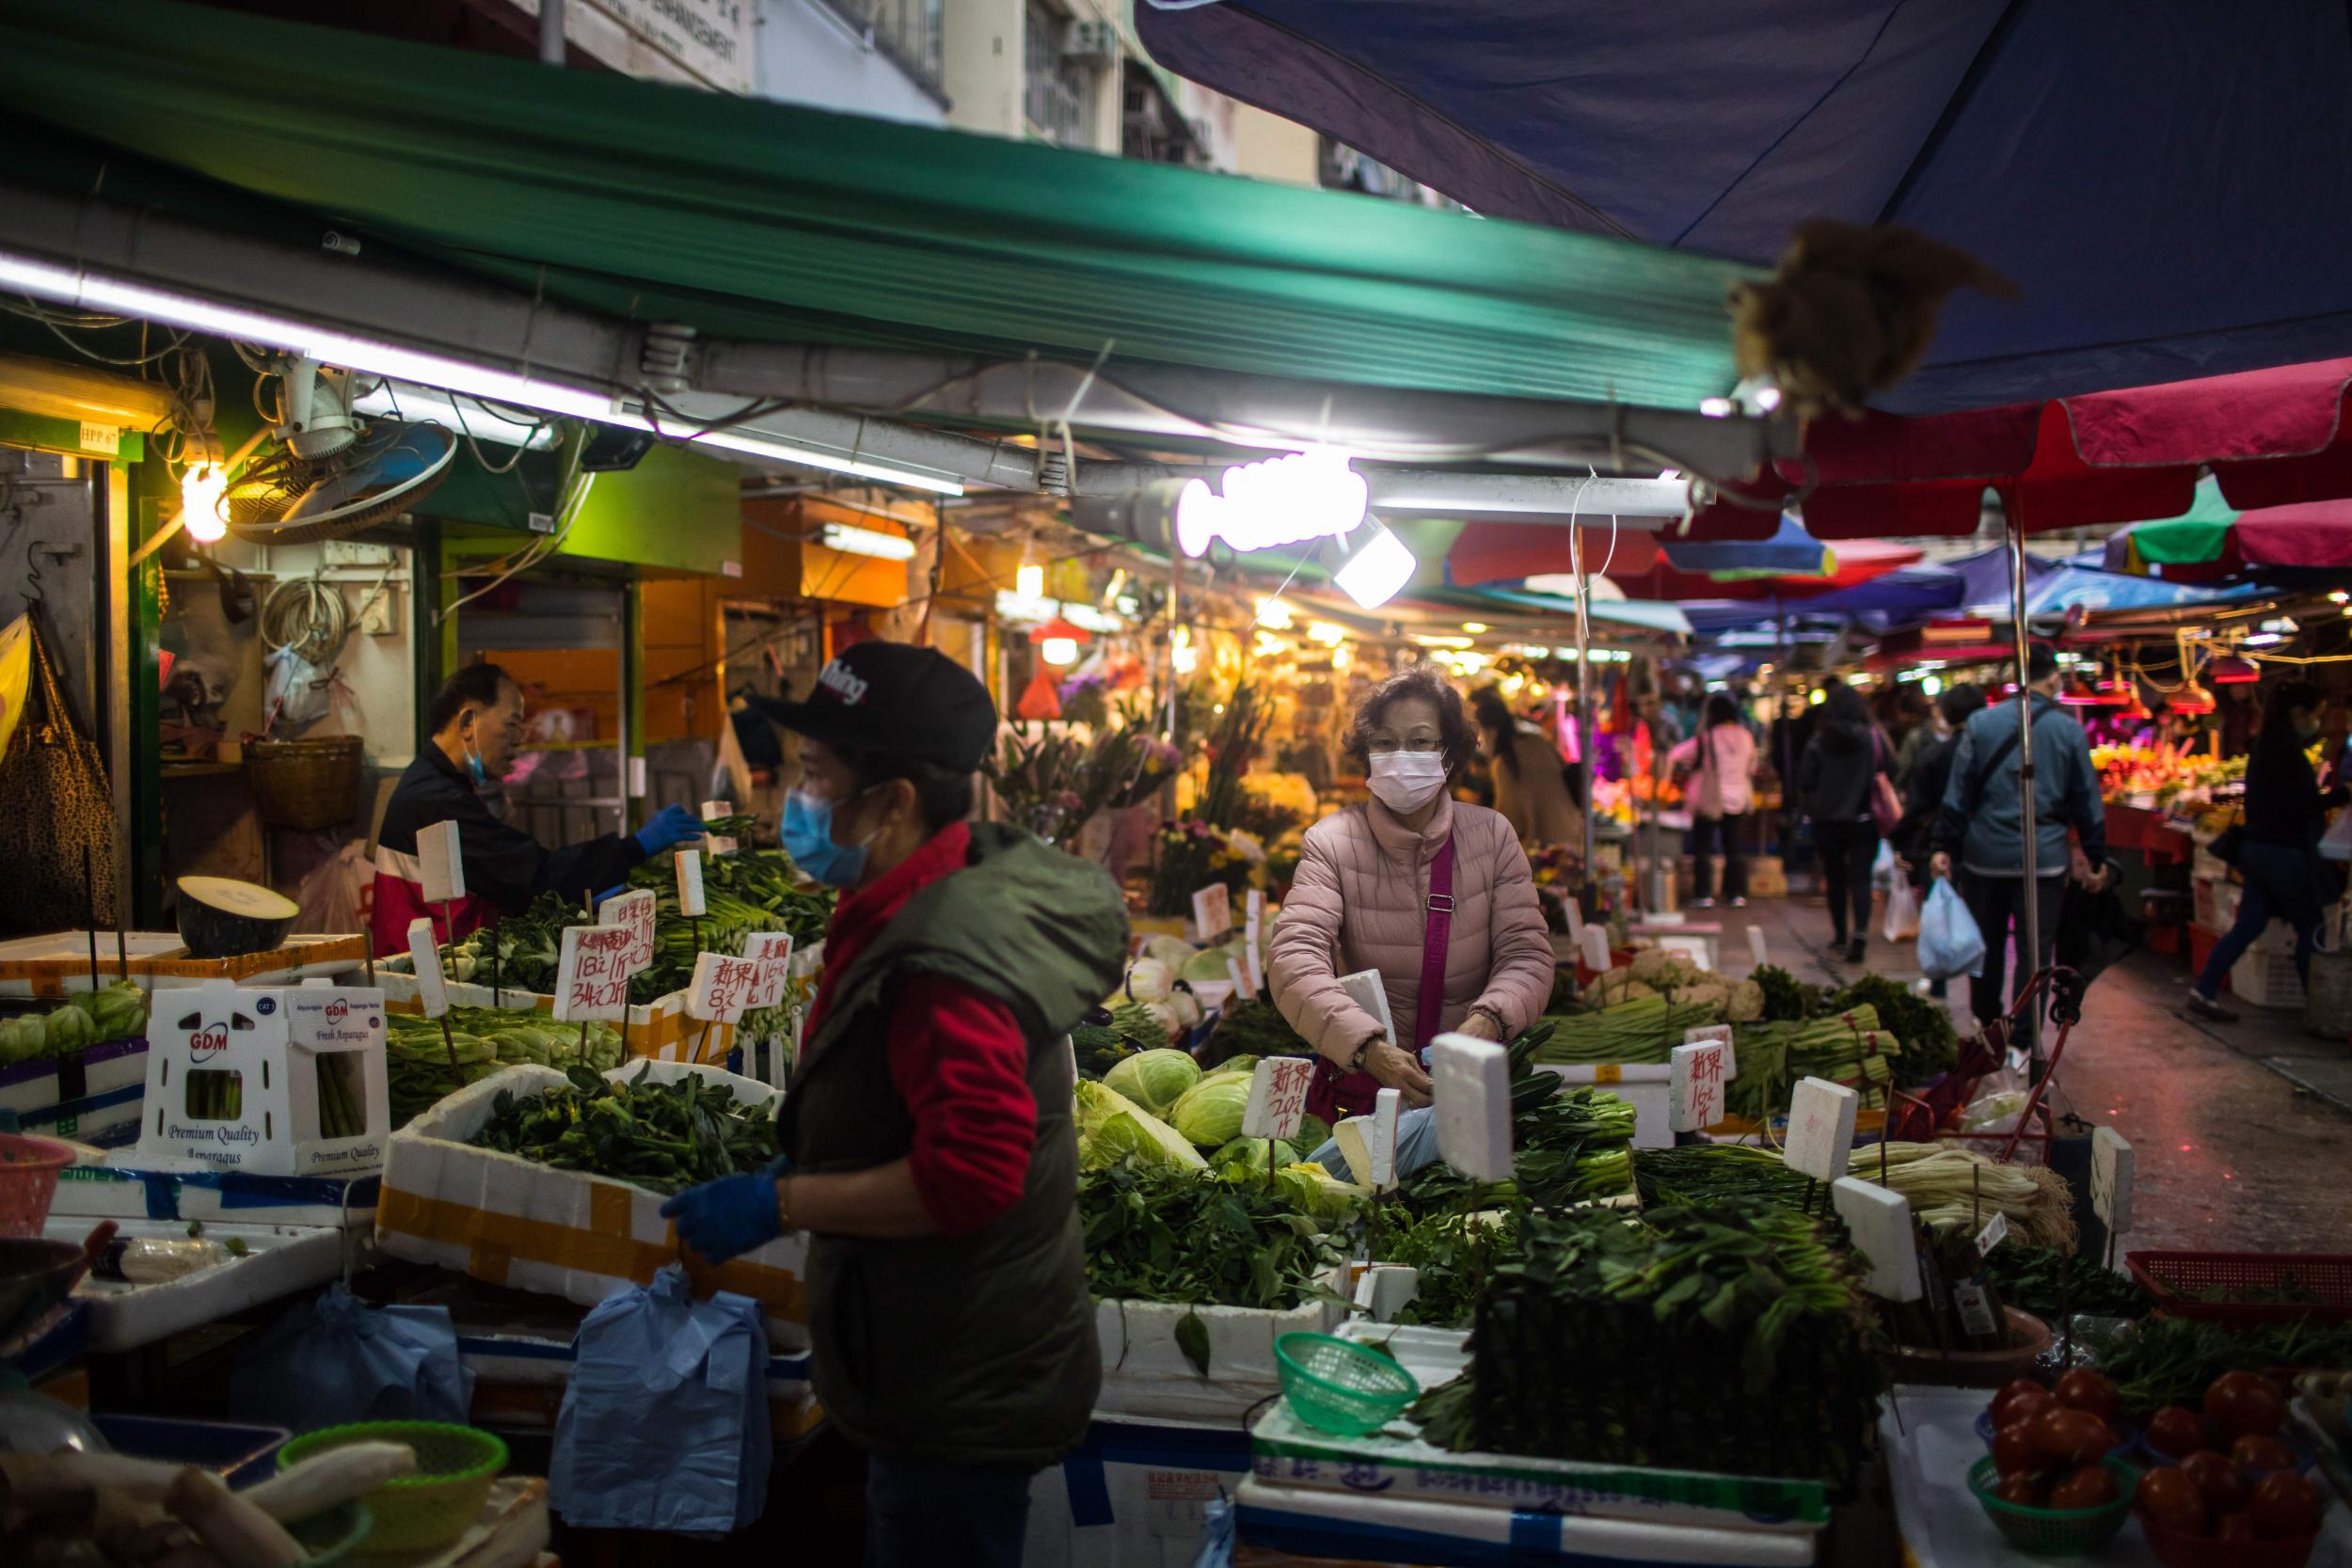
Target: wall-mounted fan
[(325, 472)]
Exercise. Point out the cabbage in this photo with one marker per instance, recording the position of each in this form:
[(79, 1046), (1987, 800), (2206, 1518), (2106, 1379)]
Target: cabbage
[(1187, 1006), (1210, 1111), (1244, 1064), (1314, 1190), (1251, 1153), (1313, 1131), (1112, 1127), (1171, 951), (1149, 981), (1155, 1080), (1211, 964)]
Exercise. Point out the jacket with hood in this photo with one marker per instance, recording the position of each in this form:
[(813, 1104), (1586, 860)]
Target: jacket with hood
[(1834, 779), (1983, 815)]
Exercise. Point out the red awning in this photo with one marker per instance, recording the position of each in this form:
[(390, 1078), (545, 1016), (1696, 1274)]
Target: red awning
[(2271, 438), (1508, 552), (1857, 562)]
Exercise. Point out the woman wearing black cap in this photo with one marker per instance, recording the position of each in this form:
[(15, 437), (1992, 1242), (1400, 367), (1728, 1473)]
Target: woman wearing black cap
[(928, 1144)]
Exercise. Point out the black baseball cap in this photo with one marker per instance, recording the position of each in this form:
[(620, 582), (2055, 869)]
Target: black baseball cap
[(897, 698)]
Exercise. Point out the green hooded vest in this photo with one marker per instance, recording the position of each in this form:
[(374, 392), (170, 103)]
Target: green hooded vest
[(975, 1349)]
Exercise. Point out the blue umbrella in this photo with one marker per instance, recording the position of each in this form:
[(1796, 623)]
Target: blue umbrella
[(1791, 551)]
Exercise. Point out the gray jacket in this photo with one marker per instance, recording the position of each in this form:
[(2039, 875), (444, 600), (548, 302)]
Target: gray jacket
[(1983, 823)]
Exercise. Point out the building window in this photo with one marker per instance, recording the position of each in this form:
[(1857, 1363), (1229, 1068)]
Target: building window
[(906, 30), (1153, 129), (1057, 78)]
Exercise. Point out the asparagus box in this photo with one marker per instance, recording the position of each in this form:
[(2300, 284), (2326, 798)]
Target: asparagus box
[(512, 1222), (272, 1080)]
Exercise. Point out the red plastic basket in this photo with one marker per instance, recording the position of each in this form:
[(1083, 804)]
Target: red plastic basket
[(2171, 1276), (28, 1182)]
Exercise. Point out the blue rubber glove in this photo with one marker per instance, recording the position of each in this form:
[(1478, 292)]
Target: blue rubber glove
[(671, 827), (731, 1216)]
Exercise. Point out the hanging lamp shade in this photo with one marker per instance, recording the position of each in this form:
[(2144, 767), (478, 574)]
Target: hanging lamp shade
[(2229, 670)]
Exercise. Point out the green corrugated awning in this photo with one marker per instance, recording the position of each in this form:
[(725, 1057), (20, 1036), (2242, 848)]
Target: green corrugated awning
[(764, 220)]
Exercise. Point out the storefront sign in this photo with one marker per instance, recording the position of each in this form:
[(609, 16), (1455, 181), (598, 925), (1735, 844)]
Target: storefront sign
[(718, 843), (1720, 1034), (2111, 1180), (1211, 912), (1253, 922), (772, 952), (591, 975), (634, 912), (1878, 1219), (722, 987), (1380, 1138)]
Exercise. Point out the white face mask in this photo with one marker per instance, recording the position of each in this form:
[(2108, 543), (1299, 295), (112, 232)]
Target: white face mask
[(1407, 781)]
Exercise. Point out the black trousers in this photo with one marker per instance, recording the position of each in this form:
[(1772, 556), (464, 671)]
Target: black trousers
[(1847, 851), (1704, 832), (1998, 903)]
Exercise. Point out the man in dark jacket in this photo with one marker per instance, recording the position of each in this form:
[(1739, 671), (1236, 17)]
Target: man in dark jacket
[(930, 1146), (475, 724), (1923, 788), (1838, 779)]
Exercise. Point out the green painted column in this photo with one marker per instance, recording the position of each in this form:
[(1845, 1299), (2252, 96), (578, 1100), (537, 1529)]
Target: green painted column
[(144, 832)]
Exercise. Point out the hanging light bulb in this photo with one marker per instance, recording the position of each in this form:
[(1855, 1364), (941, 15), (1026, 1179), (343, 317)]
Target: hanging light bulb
[(201, 487), (1029, 580), (1182, 656)]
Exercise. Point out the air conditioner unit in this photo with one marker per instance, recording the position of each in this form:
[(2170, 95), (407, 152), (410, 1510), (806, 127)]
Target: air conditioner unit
[(1090, 41)]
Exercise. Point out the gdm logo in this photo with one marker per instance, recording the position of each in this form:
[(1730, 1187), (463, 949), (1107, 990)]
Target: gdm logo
[(337, 1010), (208, 1042)]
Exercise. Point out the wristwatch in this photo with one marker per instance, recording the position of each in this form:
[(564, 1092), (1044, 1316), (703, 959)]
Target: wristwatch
[(1356, 1063)]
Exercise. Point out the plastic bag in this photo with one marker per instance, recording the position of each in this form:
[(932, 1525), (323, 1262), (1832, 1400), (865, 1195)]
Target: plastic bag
[(298, 695), (1949, 943), (337, 1359), (338, 894), (664, 1423), (1217, 1534), (1902, 910)]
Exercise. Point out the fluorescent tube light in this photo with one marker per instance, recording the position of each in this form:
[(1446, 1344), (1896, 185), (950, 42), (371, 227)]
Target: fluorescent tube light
[(866, 541)]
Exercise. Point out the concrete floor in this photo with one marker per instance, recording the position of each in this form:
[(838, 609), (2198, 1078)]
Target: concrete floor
[(2242, 1133)]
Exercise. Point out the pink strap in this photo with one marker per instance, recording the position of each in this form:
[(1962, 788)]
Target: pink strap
[(1434, 936)]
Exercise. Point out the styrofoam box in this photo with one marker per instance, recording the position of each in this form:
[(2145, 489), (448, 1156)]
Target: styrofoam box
[(280, 1260), (1144, 1373), (119, 1189), (94, 1097), (1135, 1495), (512, 1222)]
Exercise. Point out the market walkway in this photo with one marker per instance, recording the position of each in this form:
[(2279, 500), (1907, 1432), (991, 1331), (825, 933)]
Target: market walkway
[(2243, 1131)]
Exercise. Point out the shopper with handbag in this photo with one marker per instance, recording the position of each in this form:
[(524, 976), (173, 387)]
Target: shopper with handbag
[(1721, 760), (1434, 895), (1846, 781)]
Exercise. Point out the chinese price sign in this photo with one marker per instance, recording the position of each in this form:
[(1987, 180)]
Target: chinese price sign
[(721, 987), (1278, 1096), (591, 975)]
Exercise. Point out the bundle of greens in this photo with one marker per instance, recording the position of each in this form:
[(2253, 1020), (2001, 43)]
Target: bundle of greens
[(417, 1070), (1931, 1044), (1454, 1254), (1567, 1149), (1716, 1173), (1645, 1029), (1846, 1048), (1253, 1026), (1787, 998), (1950, 1189), (2160, 1360), (665, 1137), (1728, 1338), (111, 1012), (1155, 1234), (2036, 1279)]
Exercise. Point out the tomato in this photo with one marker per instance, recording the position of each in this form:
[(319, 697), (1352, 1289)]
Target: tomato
[(2217, 1479), (2014, 1450), (2234, 1526), (2022, 1489), (2176, 1431), (2083, 1389), (2245, 1403), (2072, 1436), (2009, 1390), (2023, 1404), (2251, 1453), (2172, 1500), (2090, 1487), (2285, 1506)]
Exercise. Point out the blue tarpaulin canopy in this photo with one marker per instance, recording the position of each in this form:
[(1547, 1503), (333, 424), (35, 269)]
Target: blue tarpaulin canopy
[(2164, 178), (2055, 587), (1790, 551)]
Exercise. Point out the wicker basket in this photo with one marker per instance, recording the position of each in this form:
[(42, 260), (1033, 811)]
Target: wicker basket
[(303, 783)]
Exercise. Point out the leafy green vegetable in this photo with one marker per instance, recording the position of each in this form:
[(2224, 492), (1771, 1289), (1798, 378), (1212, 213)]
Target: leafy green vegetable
[(1931, 1044), (2028, 1278), (2162, 1361), (661, 1137), (1787, 998), (1252, 1027), (1210, 1111), (1153, 1234), (1155, 1080), (1446, 1249), (417, 1070), (1112, 1127)]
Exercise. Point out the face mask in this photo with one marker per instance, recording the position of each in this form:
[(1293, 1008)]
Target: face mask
[(473, 765), (806, 834), (1407, 781)]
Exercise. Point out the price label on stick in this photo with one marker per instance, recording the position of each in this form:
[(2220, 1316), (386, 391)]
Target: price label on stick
[(425, 953), (1995, 1231), (441, 858), (633, 911), (2111, 1180), (1253, 923), (722, 987), (1879, 1220), (1380, 1138), (1243, 991), (772, 952), (690, 884), (1575, 913), (1211, 912), (1278, 1096), (1821, 1129), (1755, 947), (1721, 1035), (1470, 1087), (1595, 948), (590, 974), (1975, 1307), (713, 811), (1696, 1093)]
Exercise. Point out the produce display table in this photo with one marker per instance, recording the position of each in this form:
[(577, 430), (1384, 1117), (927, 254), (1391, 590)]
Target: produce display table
[(2152, 832), (1928, 1451), (281, 1260)]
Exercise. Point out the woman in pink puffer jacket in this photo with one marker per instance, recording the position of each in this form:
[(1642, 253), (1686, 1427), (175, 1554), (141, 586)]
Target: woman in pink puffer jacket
[(1362, 900)]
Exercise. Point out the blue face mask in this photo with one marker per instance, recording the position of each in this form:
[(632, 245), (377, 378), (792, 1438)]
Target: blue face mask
[(806, 834), (474, 768)]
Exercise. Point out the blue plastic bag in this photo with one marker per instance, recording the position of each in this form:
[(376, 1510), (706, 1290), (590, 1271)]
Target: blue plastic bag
[(1949, 943), (337, 1359), (1217, 1534), (664, 1424), (1416, 1146)]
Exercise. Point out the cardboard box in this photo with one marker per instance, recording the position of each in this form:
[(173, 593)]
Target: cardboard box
[(92, 1097), (239, 1078), (1144, 1373), (512, 1222), (58, 963), (1768, 877)]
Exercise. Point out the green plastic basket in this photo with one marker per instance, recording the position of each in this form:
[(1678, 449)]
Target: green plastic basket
[(333, 1535), (1340, 1386), (455, 1468), (2053, 1531)]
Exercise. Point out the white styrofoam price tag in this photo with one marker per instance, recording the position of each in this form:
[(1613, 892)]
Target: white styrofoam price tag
[(1278, 1096), (1821, 1129), (1720, 1034), (1878, 1219), (1995, 1232), (1470, 1087), (1211, 912), (1575, 913), (424, 951), (1241, 987), (1697, 1087), (772, 952), (1380, 1138), (1368, 990), (721, 987), (590, 974), (441, 857), (2111, 1180), (718, 843), (1253, 923), (1593, 949), (690, 903), (1755, 947), (633, 911)]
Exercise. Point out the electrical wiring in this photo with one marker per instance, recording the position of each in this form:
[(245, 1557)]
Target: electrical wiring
[(575, 488)]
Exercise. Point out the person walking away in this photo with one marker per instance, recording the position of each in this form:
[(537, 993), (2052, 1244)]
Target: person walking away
[(2279, 845), (1529, 788), (1722, 759), (1923, 792), (1836, 780), (1792, 733), (1983, 823), (1924, 728), (1434, 894), (928, 1144)]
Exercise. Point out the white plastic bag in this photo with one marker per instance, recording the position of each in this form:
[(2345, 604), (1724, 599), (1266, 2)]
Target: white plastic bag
[(1882, 866), (1903, 911), (339, 893), (1949, 943)]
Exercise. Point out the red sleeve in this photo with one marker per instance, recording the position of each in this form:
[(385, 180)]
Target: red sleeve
[(962, 1065)]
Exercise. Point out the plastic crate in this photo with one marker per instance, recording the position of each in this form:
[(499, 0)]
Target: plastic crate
[(2268, 979), (2169, 1277)]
